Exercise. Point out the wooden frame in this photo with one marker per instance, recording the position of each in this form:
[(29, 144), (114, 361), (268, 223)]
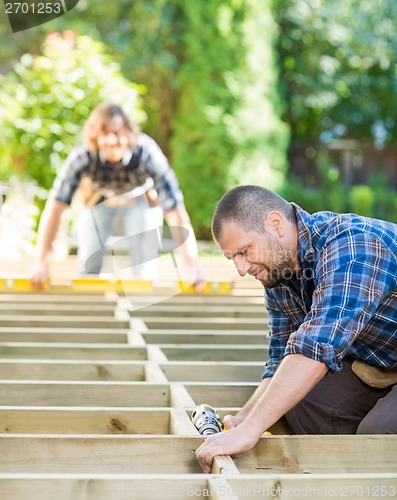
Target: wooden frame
[(98, 407)]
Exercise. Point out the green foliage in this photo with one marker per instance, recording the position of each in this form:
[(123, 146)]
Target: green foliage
[(362, 200), (211, 87), (202, 148), (47, 98), (338, 68), (257, 129), (377, 199)]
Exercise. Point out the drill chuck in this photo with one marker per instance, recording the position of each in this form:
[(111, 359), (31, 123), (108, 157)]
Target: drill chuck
[(206, 420)]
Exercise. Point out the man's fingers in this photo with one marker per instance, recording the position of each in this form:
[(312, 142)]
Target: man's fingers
[(205, 457), (229, 422)]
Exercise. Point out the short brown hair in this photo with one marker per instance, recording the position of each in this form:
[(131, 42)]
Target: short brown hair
[(248, 207)]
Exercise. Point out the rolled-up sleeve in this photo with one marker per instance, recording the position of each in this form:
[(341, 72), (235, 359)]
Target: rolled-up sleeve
[(283, 321)]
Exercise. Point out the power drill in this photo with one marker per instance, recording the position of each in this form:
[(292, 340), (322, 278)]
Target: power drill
[(206, 420)]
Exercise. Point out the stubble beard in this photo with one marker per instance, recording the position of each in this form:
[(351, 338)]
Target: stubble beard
[(282, 268)]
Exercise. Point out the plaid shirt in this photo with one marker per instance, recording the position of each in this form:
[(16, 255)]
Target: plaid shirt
[(344, 301), (120, 177)]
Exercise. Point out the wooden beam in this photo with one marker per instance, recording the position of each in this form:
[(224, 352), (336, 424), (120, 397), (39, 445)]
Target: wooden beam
[(52, 334), (99, 454), (221, 394), (178, 352), (55, 351), (32, 369), (175, 454), (194, 310), (115, 394), (212, 371), (205, 337), (62, 321), (322, 454), (207, 323), (101, 420), (43, 309), (105, 486)]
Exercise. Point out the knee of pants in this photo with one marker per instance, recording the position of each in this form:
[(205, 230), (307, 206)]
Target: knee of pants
[(374, 423), (299, 420), (90, 264)]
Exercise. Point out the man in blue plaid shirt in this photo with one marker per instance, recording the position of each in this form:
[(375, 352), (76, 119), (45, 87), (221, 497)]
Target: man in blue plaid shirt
[(331, 293)]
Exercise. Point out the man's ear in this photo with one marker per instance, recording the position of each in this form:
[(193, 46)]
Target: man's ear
[(275, 222)]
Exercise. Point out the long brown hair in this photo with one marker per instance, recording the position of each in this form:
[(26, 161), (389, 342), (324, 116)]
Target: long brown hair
[(96, 123)]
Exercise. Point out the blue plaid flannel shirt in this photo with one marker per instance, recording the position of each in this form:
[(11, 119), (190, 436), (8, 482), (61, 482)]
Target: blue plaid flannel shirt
[(345, 299)]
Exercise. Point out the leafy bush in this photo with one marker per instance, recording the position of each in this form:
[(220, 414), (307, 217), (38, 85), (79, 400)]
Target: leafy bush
[(47, 98), (377, 199)]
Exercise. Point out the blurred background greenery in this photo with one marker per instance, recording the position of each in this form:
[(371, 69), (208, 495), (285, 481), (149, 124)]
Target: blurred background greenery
[(296, 95)]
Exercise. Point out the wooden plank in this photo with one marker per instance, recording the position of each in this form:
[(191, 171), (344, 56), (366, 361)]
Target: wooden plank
[(64, 420), (321, 454), (209, 371), (59, 299), (207, 323), (42, 309), (183, 486), (209, 311), (43, 334), (205, 337), (320, 486), (99, 454), (221, 394), (105, 486), (179, 397), (193, 352), (224, 465), (181, 424), (175, 454), (195, 300), (121, 394), (54, 351), (33, 369), (62, 322)]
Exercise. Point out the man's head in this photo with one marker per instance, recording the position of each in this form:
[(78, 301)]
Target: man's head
[(109, 131), (256, 228)]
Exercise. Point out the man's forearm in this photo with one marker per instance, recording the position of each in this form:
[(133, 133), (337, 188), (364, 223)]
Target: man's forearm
[(294, 379), (183, 234), (48, 228), (250, 404)]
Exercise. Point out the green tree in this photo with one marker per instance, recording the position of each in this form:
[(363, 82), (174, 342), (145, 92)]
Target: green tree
[(210, 79), (338, 68), (46, 99)]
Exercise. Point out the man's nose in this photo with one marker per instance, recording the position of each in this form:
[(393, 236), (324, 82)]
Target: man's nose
[(242, 266)]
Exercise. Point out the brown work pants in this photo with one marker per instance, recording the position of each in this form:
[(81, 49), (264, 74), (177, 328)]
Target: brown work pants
[(342, 404)]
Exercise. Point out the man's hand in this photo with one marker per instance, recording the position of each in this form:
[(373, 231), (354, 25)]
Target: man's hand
[(232, 421), (199, 284), (38, 275), (235, 442)]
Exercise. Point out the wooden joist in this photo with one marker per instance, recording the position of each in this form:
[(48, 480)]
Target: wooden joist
[(97, 406)]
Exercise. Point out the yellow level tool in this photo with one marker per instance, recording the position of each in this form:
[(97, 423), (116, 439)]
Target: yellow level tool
[(108, 285)]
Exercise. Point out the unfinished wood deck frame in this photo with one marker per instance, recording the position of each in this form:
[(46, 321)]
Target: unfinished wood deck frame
[(90, 412)]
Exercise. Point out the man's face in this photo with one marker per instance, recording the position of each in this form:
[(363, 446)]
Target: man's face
[(114, 140), (261, 255)]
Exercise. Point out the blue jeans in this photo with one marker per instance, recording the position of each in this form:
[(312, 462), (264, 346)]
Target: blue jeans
[(142, 227)]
